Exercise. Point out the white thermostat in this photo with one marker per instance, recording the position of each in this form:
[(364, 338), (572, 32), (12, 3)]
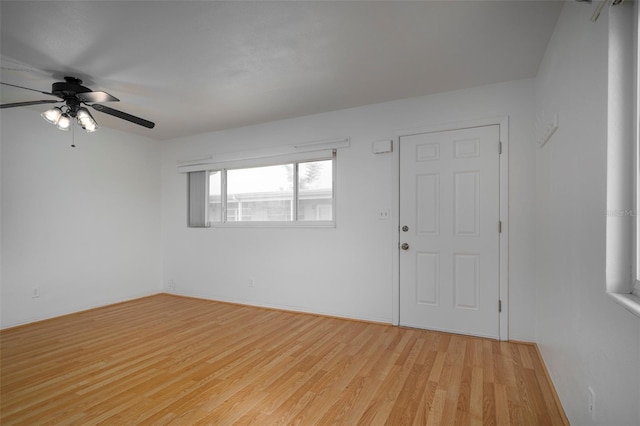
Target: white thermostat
[(383, 146)]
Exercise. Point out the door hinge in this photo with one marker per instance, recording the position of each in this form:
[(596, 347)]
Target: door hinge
[(499, 147), (499, 305), (499, 227)]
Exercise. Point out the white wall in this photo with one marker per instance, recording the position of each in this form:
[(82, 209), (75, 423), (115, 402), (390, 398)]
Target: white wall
[(82, 224), (347, 271), (586, 339)]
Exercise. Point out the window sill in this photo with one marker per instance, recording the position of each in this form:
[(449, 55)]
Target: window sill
[(274, 224), (630, 302)]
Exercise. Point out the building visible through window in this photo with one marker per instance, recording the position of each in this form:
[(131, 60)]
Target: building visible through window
[(292, 192)]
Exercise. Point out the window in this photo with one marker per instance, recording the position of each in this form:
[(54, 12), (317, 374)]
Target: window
[(259, 194), (293, 193), (623, 158)]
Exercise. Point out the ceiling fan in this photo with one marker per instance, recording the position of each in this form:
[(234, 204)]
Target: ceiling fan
[(75, 95)]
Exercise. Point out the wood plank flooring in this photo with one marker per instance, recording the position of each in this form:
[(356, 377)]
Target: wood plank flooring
[(167, 360)]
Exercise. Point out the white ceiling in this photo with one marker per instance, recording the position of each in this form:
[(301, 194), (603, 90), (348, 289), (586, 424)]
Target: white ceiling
[(200, 66)]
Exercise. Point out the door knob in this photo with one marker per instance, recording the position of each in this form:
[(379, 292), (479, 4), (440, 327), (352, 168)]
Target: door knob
[(404, 246)]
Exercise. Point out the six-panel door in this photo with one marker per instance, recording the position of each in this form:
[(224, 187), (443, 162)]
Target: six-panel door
[(449, 218)]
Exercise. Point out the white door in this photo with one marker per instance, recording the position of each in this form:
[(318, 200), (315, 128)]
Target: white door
[(449, 231)]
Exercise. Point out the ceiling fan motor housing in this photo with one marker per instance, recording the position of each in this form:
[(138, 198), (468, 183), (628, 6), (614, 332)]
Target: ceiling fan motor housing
[(68, 88)]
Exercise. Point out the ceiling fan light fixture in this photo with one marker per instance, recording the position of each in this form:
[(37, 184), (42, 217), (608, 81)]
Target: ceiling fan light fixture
[(64, 122), (52, 115), (85, 120), (90, 127)]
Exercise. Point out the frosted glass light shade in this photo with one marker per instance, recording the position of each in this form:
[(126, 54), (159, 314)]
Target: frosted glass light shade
[(90, 127), (86, 121), (64, 122), (52, 115)]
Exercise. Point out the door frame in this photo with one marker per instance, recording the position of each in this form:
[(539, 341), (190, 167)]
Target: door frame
[(503, 123)]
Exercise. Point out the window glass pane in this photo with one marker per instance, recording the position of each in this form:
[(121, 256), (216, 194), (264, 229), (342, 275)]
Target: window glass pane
[(260, 194), (215, 197), (315, 190)]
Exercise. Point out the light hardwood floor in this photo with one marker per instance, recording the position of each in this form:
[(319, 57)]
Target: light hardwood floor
[(173, 360)]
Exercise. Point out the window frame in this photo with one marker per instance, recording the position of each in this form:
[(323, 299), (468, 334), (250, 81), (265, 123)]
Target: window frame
[(295, 222), (636, 114)]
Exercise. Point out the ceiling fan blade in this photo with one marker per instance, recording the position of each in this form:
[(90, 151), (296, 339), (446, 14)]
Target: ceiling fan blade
[(19, 104), (124, 116), (27, 88), (96, 97)]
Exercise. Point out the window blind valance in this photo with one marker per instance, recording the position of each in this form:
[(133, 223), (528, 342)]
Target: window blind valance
[(263, 157)]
